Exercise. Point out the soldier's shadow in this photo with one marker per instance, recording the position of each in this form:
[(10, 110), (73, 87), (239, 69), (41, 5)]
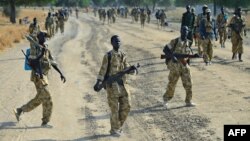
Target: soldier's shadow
[(154, 108), (94, 137), (12, 125)]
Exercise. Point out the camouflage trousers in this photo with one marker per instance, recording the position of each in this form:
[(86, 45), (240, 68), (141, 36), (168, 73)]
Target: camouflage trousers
[(199, 43), (50, 31), (178, 70), (207, 50), (42, 97), (119, 103), (148, 19), (143, 21), (61, 26), (237, 44), (223, 35)]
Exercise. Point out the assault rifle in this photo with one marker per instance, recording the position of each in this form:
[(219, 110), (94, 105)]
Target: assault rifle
[(35, 63), (117, 77), (169, 55)]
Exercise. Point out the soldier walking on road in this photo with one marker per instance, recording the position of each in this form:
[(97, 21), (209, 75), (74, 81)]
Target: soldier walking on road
[(237, 25), (34, 29), (208, 33), (222, 26), (49, 25), (200, 16), (188, 20), (117, 92), (41, 81), (61, 20), (148, 15), (179, 69), (143, 17)]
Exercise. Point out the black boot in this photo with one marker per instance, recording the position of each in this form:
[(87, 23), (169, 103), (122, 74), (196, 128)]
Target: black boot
[(240, 55), (233, 56), (18, 112)]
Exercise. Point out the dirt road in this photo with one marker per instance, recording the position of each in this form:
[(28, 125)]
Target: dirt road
[(221, 90)]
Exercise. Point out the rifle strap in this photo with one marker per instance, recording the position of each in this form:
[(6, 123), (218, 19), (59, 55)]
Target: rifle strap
[(108, 68), (175, 44)]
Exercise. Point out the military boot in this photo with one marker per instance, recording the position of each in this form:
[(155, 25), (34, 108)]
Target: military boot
[(18, 112), (240, 55), (233, 56)]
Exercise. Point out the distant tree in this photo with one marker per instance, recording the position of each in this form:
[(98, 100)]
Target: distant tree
[(13, 3)]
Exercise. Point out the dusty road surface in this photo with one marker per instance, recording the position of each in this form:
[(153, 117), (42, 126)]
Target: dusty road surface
[(221, 91)]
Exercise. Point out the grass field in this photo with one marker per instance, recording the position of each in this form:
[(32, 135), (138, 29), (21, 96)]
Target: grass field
[(14, 33)]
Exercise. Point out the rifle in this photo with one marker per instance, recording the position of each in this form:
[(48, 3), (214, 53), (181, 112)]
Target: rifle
[(117, 77), (35, 63), (169, 55)]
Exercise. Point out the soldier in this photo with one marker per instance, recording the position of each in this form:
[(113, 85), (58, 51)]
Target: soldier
[(197, 27), (194, 30), (162, 18), (237, 25), (179, 69), (113, 15), (61, 20), (126, 12), (221, 24), (95, 9), (148, 15), (34, 29), (143, 18), (188, 20), (77, 10), (41, 82), (117, 93), (208, 33), (49, 25), (109, 14), (56, 22), (100, 14), (104, 14)]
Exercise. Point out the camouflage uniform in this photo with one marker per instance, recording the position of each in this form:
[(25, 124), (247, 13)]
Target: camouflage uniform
[(34, 30), (148, 15), (188, 20), (179, 69), (49, 25), (163, 18), (198, 20), (221, 24), (143, 17), (208, 31), (61, 19), (43, 95), (237, 38), (117, 94)]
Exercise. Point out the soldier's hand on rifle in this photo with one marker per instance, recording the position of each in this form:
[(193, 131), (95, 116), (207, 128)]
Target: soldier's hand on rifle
[(97, 85), (63, 78)]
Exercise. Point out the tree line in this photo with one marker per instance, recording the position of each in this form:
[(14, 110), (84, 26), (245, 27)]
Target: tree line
[(98, 3)]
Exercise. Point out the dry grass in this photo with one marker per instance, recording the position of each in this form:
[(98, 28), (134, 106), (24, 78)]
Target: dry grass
[(175, 15), (14, 33)]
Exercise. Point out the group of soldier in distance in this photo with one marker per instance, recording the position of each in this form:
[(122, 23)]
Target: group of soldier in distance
[(201, 29)]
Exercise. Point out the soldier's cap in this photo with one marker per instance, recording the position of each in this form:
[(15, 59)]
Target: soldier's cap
[(208, 11)]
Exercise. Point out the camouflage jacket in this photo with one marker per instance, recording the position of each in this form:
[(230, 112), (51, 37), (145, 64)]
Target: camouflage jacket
[(117, 63)]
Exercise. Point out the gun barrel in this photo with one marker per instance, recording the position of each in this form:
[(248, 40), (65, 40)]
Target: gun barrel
[(163, 56)]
